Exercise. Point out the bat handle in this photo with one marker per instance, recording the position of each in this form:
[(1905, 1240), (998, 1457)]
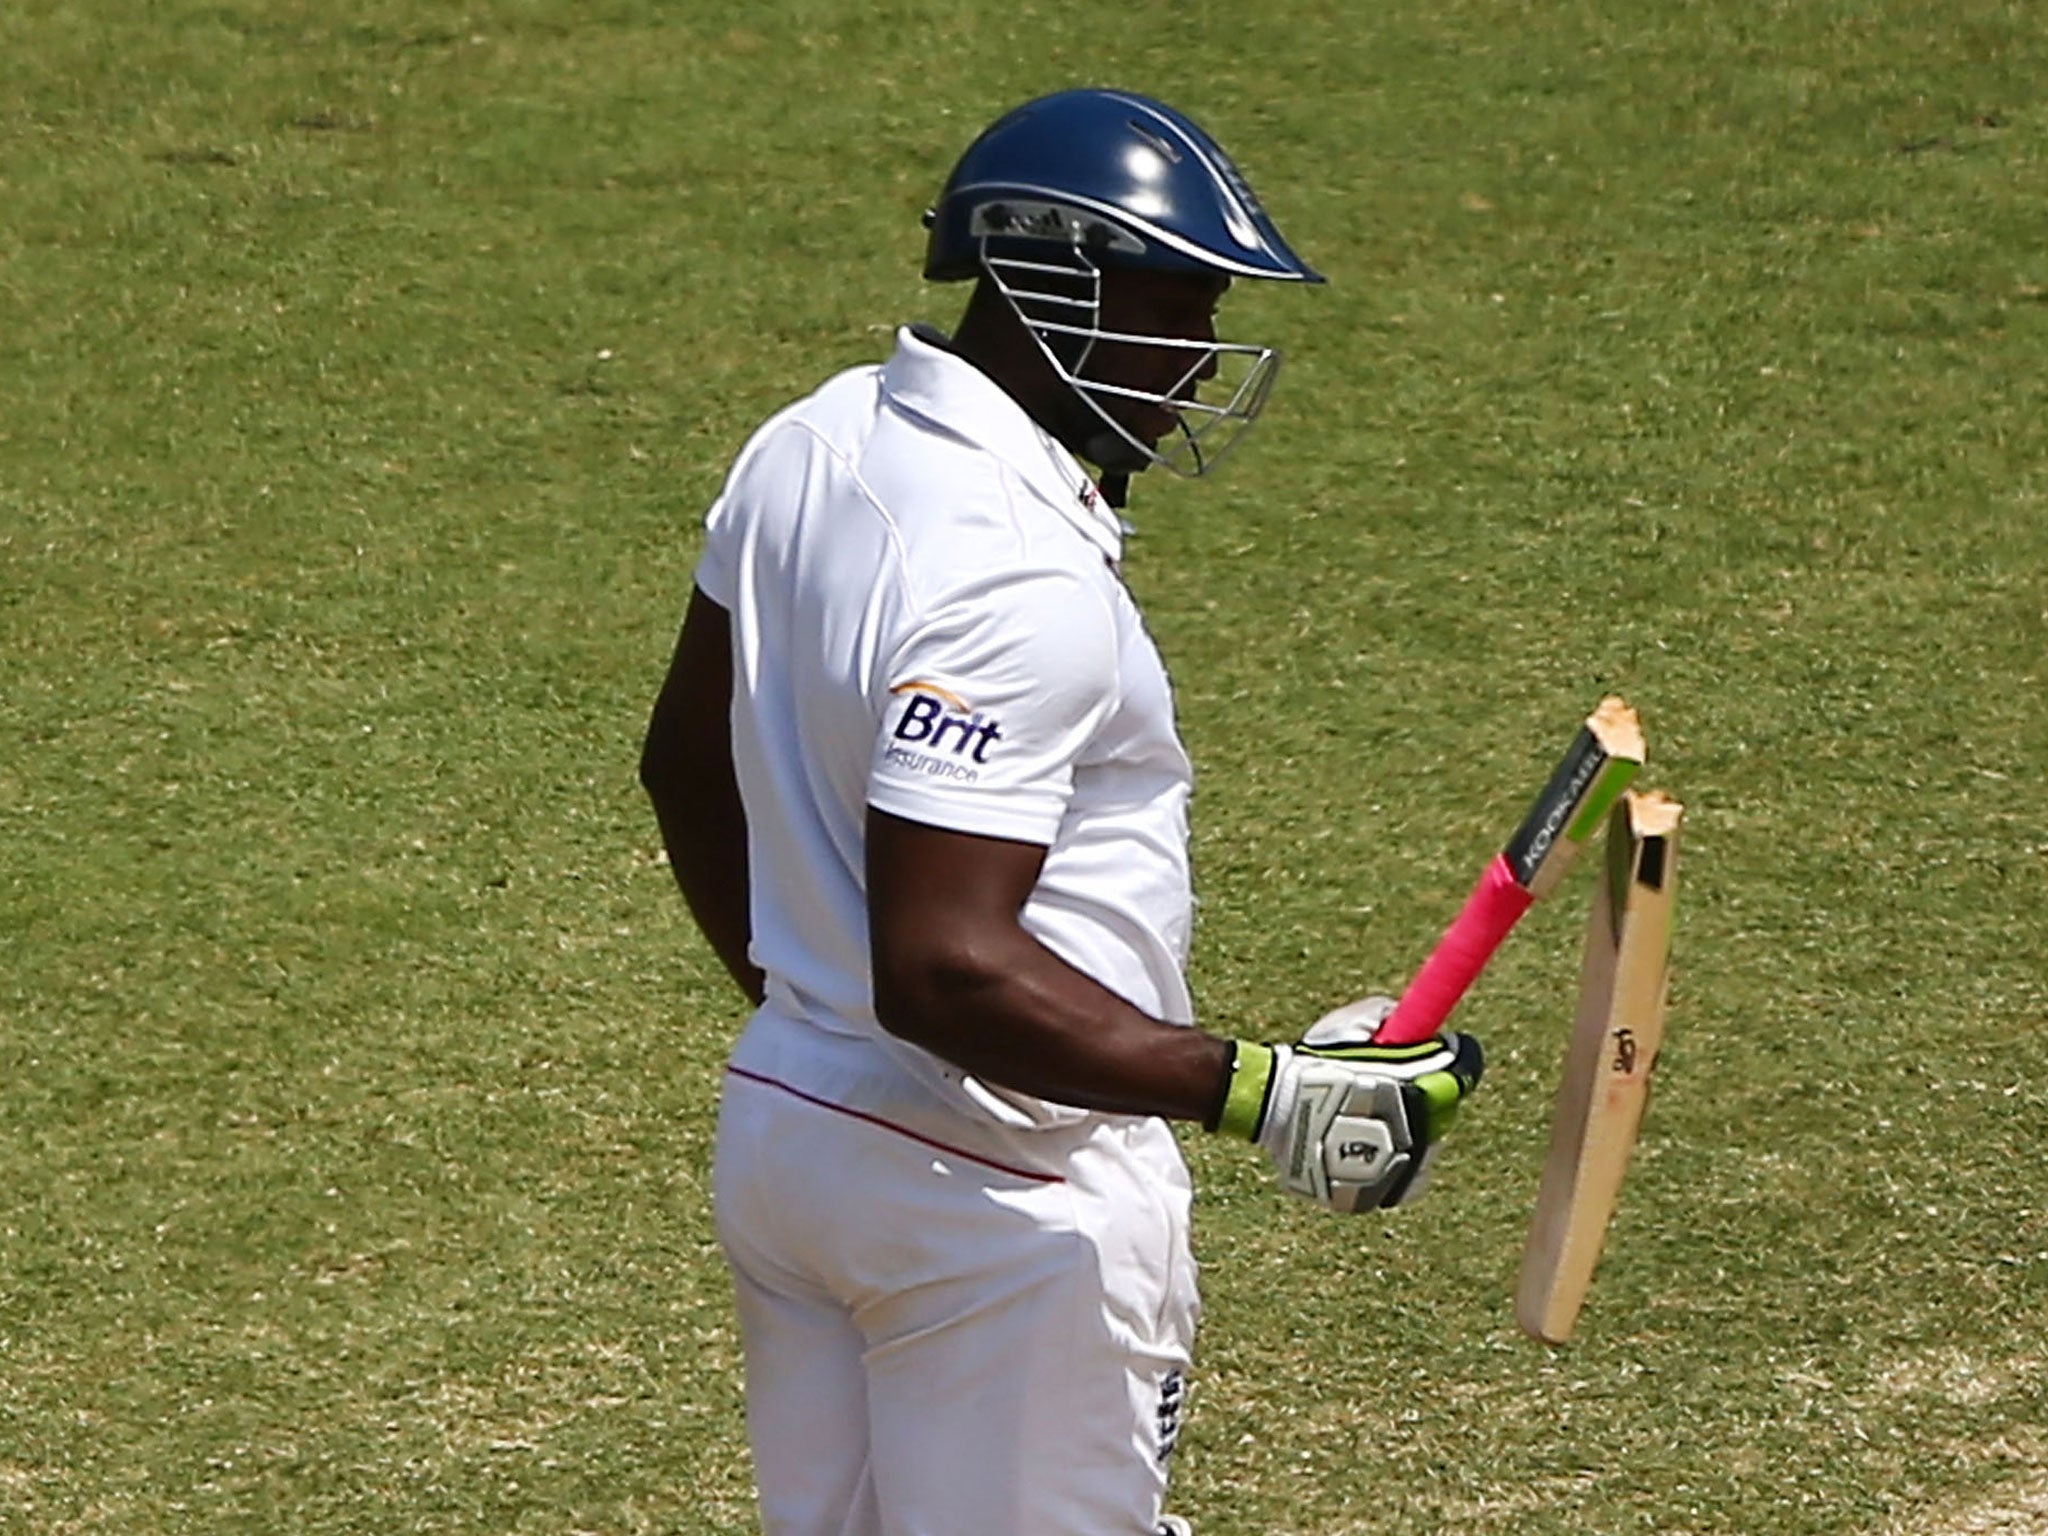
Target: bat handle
[(1494, 907)]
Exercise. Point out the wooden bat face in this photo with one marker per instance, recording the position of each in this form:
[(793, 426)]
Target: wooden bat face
[(1616, 1035)]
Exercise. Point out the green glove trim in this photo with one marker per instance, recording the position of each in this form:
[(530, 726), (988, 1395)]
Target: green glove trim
[(1443, 1093), (1251, 1080), (1367, 1051)]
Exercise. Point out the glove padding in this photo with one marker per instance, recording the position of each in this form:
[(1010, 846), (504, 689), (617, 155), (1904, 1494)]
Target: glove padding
[(1350, 1124)]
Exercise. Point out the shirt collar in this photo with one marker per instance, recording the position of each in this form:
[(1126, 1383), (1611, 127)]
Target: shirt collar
[(943, 388)]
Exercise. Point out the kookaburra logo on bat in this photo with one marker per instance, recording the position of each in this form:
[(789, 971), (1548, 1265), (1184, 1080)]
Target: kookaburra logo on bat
[(1624, 1051)]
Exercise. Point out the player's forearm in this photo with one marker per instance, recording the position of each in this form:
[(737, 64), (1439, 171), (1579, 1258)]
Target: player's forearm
[(1014, 1014), (686, 769), (705, 835)]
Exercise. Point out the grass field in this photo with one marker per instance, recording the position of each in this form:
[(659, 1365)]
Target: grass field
[(363, 373)]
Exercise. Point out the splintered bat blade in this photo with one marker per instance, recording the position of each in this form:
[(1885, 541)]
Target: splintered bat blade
[(1616, 1035)]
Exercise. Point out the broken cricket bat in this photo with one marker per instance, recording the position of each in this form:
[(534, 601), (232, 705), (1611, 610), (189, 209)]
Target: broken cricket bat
[(1616, 1035), (1603, 757)]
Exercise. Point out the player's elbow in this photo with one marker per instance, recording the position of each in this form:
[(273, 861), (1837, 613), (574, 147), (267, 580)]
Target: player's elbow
[(677, 766), (697, 804), (664, 751), (658, 773), (929, 994)]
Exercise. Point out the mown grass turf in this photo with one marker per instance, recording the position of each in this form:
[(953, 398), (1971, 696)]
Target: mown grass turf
[(364, 375)]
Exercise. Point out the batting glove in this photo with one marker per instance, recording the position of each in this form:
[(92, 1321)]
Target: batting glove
[(1349, 1124)]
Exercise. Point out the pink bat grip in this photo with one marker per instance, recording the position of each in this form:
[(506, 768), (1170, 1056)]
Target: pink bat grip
[(1495, 905)]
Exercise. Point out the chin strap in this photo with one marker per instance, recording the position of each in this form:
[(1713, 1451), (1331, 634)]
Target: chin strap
[(1116, 489)]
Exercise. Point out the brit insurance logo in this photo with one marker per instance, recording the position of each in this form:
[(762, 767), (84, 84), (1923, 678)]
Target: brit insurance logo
[(939, 733)]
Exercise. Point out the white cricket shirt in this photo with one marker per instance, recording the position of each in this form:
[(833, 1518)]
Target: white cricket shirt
[(927, 618)]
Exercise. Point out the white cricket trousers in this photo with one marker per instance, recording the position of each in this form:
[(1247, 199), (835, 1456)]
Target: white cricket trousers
[(940, 1343)]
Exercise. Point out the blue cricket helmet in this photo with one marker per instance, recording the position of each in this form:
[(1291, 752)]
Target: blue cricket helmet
[(1121, 177)]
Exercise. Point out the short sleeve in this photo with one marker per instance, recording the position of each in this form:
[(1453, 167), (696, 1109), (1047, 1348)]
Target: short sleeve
[(714, 576), (990, 700)]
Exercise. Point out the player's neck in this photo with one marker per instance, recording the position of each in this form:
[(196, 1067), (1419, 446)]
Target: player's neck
[(992, 338)]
